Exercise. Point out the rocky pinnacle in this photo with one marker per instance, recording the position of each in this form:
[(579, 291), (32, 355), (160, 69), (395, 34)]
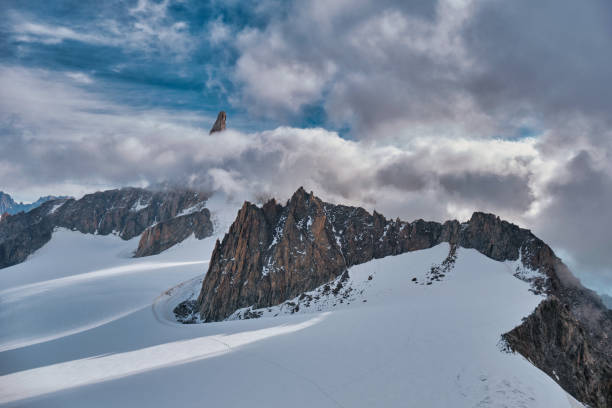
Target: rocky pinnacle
[(219, 125)]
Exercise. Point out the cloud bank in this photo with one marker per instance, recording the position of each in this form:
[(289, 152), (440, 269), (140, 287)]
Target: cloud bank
[(92, 143)]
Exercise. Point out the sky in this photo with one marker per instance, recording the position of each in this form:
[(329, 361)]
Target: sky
[(418, 109)]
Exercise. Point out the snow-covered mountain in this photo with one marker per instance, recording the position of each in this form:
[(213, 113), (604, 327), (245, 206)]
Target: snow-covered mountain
[(163, 217), (414, 320)]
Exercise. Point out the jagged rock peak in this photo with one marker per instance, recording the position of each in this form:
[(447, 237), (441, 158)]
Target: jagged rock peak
[(275, 252), (219, 125)]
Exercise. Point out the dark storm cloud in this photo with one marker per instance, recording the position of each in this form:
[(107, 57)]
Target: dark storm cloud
[(403, 174), (550, 57), (579, 219), (490, 192)]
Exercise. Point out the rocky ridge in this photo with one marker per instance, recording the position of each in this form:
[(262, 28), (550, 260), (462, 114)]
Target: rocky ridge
[(162, 235), (275, 253), (166, 217), (555, 341)]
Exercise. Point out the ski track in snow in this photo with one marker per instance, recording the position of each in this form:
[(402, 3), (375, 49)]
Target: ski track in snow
[(84, 324)]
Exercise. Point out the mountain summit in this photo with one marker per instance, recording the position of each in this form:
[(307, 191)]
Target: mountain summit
[(219, 125), (291, 254)]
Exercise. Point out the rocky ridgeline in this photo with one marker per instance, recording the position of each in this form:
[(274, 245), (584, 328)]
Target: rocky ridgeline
[(165, 217), (274, 253), (164, 234)]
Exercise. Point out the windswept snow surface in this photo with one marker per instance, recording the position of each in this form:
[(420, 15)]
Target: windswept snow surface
[(85, 325)]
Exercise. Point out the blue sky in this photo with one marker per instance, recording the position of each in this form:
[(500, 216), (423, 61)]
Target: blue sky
[(109, 43)]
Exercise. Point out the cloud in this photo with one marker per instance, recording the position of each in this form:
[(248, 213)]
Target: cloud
[(490, 191), (219, 31), (76, 136), (578, 219), (552, 59), (34, 32), (146, 28), (461, 68), (370, 64), (80, 77), (272, 84)]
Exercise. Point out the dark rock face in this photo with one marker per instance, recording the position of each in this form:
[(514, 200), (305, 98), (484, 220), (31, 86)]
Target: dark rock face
[(126, 212), (219, 123), (271, 254), (556, 342), (23, 233), (274, 253), (163, 235)]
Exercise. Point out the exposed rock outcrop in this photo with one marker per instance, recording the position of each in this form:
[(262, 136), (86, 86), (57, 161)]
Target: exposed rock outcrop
[(557, 343), (271, 254), (163, 235), (126, 212), (219, 125), (274, 253), (23, 233)]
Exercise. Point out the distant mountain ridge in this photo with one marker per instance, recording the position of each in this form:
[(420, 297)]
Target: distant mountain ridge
[(9, 206), (165, 217)]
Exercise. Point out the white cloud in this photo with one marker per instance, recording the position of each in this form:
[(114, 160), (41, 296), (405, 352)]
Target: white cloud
[(271, 80), (377, 66), (79, 138), (80, 77), (35, 32), (149, 29), (218, 31)]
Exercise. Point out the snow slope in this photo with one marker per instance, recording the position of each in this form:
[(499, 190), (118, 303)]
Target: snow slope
[(85, 325)]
